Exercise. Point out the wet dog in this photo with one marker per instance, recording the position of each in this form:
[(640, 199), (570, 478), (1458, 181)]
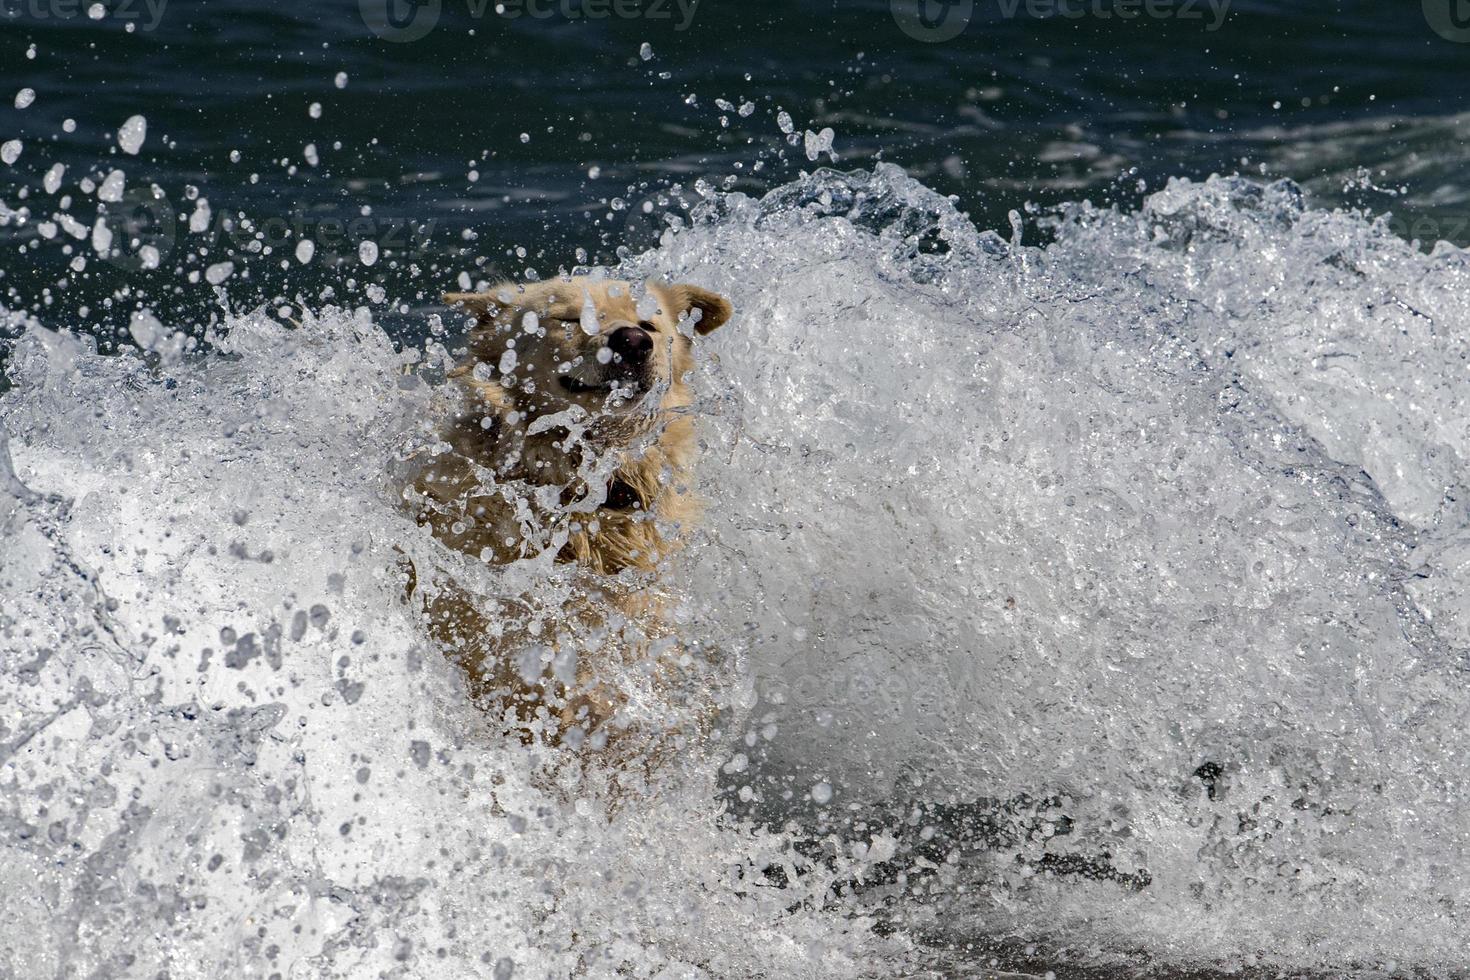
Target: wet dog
[(572, 436)]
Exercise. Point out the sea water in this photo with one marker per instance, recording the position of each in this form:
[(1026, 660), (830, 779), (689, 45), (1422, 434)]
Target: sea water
[(1100, 602)]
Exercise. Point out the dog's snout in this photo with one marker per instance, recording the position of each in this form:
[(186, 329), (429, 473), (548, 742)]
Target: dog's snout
[(632, 344)]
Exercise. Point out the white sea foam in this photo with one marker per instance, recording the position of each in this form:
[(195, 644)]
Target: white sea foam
[(1146, 550), (221, 727)]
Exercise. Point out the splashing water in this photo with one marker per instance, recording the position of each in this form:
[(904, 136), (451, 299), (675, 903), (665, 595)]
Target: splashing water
[(1109, 595)]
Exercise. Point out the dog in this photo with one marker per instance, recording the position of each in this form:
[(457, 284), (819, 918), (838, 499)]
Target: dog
[(572, 435)]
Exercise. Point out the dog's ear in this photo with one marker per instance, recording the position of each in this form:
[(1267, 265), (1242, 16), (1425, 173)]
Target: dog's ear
[(713, 308)]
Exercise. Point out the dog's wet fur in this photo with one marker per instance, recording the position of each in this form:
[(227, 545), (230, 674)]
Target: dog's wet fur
[(573, 434)]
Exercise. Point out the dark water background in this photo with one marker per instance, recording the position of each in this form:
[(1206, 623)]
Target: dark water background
[(1015, 109)]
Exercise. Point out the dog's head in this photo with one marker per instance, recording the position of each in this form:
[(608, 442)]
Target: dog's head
[(608, 347)]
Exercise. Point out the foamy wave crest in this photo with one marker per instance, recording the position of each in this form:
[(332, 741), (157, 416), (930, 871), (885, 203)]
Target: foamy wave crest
[(1108, 594), (221, 727)]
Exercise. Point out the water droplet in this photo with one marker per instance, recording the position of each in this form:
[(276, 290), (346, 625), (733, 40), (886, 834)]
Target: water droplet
[(589, 315), (131, 134)]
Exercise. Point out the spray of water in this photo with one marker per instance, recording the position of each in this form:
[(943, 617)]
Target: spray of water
[(1109, 595)]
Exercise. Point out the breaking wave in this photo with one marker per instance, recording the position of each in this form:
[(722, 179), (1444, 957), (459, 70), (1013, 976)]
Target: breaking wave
[(1099, 602)]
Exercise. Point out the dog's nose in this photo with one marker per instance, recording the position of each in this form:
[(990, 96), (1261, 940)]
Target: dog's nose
[(632, 344)]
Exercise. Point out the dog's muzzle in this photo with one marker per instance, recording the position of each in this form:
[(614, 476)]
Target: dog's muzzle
[(631, 344)]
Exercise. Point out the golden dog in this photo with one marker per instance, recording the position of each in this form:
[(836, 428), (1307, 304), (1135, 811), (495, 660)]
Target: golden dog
[(573, 436)]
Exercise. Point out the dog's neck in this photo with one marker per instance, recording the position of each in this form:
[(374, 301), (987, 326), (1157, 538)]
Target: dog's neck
[(614, 494), (517, 450)]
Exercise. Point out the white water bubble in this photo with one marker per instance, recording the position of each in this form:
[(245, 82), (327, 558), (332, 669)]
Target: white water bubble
[(822, 793), (819, 143), (52, 180), (588, 319), (219, 272), (305, 249), (112, 186), (199, 218), (24, 98), (10, 151), (68, 125), (340, 80), (308, 153), (367, 252), (508, 361), (101, 238), (645, 51), (97, 11), (145, 328), (131, 134), (783, 120), (314, 110)]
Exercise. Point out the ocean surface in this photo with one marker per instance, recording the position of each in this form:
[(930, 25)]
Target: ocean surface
[(1086, 553)]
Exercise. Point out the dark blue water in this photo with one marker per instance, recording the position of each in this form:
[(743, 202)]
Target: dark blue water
[(466, 141)]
